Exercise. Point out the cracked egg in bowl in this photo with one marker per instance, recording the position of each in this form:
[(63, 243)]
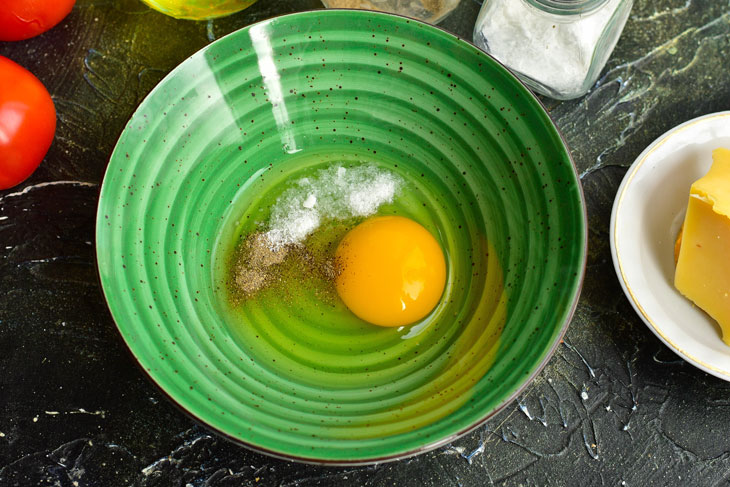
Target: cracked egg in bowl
[(341, 237)]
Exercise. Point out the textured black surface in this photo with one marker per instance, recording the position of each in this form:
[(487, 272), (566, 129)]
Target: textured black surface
[(613, 407)]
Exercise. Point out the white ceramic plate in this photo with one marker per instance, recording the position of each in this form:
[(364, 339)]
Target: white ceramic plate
[(647, 214)]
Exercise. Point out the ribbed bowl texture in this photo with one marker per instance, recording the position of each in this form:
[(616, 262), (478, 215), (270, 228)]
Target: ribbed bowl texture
[(225, 133)]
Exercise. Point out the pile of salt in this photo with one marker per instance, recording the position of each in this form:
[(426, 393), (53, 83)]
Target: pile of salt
[(332, 193)]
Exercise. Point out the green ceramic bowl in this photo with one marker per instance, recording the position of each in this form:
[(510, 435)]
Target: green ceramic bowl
[(226, 132)]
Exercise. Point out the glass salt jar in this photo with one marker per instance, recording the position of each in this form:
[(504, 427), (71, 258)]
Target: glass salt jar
[(557, 47)]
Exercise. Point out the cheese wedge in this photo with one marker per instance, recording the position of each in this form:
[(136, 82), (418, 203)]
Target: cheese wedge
[(703, 264)]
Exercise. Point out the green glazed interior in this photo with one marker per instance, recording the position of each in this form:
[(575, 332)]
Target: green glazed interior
[(223, 135)]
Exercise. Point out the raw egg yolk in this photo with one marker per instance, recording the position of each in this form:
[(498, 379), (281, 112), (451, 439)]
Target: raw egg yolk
[(392, 271)]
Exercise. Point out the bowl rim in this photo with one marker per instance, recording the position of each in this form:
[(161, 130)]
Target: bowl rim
[(550, 352), (632, 295)]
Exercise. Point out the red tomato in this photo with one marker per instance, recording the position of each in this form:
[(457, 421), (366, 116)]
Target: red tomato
[(23, 19), (27, 123)]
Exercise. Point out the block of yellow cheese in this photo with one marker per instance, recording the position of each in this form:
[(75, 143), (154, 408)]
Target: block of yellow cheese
[(703, 265)]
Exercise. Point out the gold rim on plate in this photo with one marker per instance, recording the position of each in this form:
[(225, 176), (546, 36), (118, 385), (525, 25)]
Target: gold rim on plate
[(625, 184)]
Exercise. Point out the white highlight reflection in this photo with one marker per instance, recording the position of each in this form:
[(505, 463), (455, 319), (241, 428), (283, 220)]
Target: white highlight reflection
[(272, 81), (13, 115)]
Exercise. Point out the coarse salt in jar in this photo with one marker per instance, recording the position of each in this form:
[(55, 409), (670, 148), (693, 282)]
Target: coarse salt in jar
[(557, 47)]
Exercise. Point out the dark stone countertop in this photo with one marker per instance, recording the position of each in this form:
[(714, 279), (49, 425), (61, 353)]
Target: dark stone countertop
[(613, 407)]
